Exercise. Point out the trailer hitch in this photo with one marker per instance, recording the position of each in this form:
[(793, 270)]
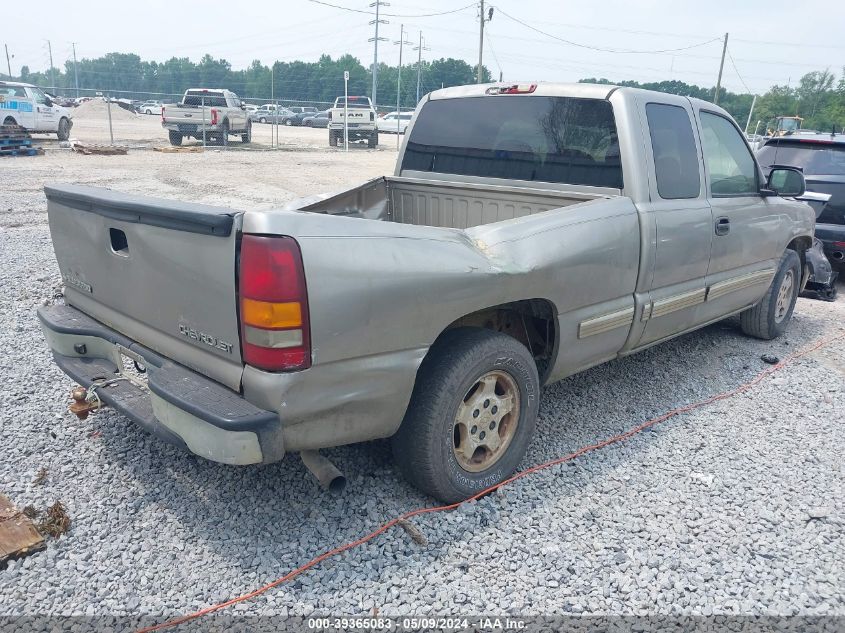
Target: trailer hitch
[(81, 406)]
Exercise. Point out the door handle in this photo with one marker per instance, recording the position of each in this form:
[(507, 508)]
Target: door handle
[(723, 226)]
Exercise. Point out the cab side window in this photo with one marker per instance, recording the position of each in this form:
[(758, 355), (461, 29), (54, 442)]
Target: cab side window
[(732, 169), (675, 154), (12, 91), (39, 96)]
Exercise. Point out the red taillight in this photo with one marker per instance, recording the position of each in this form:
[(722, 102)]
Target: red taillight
[(213, 116), (839, 244), (273, 304)]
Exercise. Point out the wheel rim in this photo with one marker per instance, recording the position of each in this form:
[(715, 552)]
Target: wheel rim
[(486, 421), (784, 299)]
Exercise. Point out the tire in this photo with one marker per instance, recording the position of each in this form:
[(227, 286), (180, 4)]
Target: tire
[(148, 111), (769, 318), (63, 133), (175, 137), (372, 140), (448, 383), (288, 122), (223, 139), (333, 140), (262, 120), (247, 137)]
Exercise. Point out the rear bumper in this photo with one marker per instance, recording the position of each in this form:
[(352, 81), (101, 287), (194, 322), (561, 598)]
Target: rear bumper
[(177, 405), (830, 234), (193, 127)]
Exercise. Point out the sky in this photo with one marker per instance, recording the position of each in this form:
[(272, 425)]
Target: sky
[(770, 41)]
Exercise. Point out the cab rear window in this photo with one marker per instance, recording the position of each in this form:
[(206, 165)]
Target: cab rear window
[(533, 138), (823, 159)]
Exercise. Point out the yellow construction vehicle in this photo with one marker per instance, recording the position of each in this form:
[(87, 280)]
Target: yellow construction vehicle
[(783, 125)]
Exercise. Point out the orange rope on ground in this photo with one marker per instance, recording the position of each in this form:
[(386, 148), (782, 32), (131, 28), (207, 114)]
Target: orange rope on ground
[(559, 460)]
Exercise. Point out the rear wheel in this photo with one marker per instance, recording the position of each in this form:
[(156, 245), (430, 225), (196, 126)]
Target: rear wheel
[(175, 138), (769, 318), (247, 136), (63, 133), (333, 138), (223, 139), (471, 416), (372, 140), (262, 120)]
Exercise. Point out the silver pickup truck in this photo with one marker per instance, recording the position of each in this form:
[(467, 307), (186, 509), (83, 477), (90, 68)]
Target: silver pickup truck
[(529, 232), (212, 114)]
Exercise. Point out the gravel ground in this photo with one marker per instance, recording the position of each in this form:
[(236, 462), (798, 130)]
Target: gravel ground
[(737, 507)]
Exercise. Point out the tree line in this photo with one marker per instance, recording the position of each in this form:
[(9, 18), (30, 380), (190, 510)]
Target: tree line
[(819, 97), (127, 75)]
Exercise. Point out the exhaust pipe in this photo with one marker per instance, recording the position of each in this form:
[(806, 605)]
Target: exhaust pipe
[(327, 474), (838, 255)]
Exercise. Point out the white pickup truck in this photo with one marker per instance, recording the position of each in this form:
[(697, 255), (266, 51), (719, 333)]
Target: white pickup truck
[(211, 113), (361, 118), (27, 105)]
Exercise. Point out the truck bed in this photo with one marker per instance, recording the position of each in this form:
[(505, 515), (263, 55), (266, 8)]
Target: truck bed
[(457, 205)]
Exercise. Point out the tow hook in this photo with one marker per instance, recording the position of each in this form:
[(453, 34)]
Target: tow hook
[(80, 406)]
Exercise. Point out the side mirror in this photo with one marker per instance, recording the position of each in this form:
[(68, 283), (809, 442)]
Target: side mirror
[(786, 181), (48, 102)]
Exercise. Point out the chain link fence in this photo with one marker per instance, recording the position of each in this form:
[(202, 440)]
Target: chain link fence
[(199, 117)]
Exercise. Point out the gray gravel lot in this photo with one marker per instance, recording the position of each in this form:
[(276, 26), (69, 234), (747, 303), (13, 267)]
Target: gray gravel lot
[(737, 507)]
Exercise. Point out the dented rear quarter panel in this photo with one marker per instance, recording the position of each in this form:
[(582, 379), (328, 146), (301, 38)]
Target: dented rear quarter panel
[(380, 294)]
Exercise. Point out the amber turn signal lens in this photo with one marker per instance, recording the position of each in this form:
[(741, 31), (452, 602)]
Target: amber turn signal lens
[(265, 314)]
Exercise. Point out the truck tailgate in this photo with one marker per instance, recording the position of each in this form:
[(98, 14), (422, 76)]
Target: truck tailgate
[(161, 272)]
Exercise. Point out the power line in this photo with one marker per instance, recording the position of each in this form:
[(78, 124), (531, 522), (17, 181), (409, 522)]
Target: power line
[(392, 15), (604, 50), (493, 53), (736, 70)]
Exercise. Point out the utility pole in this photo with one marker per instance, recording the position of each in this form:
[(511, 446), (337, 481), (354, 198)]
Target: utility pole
[(75, 74), (52, 73), (401, 42), (482, 19), (480, 41), (8, 63), (750, 112), (376, 39), (721, 67), (420, 48)]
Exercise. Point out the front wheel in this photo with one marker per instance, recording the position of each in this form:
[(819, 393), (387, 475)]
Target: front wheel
[(262, 120), (247, 136), (768, 318), (63, 133), (288, 122), (471, 416)]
